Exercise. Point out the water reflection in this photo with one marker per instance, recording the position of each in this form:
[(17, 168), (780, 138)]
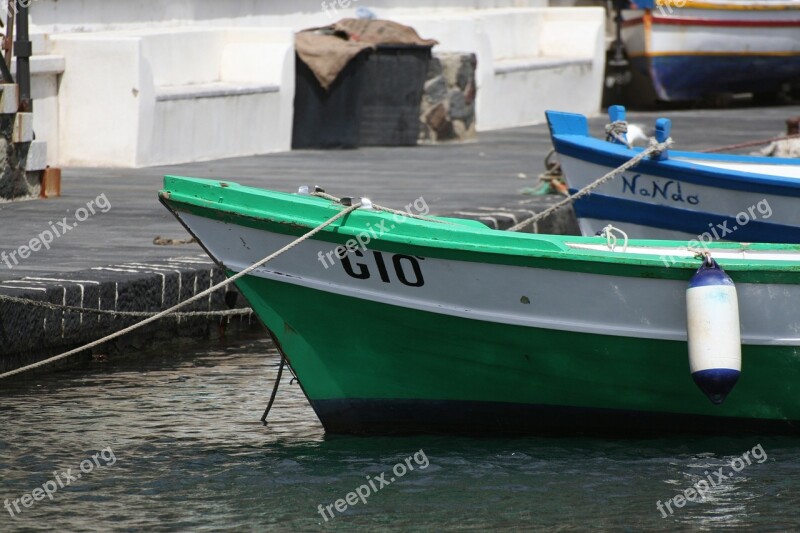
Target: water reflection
[(192, 455)]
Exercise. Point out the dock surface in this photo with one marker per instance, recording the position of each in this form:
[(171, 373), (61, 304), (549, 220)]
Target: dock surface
[(450, 177), (111, 252)]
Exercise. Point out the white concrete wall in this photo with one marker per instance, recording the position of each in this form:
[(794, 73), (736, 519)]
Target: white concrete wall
[(45, 72), (529, 59), (100, 109), (121, 58), (59, 16), (136, 98)]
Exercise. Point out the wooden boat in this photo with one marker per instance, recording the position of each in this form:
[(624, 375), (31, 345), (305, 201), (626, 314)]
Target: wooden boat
[(680, 195), (694, 48), (448, 326)]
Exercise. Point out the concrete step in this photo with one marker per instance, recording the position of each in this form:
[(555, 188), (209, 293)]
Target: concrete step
[(23, 128), (37, 156), (9, 98)]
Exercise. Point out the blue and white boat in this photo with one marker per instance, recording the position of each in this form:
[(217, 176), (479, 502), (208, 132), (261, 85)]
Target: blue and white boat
[(678, 195), (693, 48)]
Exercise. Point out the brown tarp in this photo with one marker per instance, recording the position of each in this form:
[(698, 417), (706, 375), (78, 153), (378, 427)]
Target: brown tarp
[(328, 50)]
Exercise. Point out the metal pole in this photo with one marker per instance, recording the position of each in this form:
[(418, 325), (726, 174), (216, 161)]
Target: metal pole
[(617, 69), (22, 51)]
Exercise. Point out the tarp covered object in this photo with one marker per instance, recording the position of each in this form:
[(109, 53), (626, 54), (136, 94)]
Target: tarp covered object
[(328, 50)]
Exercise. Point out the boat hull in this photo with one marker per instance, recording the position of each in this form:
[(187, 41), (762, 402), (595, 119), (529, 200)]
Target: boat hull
[(693, 51), (510, 336), (688, 196), (369, 368)]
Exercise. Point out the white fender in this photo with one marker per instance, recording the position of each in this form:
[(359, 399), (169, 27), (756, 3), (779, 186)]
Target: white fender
[(715, 346)]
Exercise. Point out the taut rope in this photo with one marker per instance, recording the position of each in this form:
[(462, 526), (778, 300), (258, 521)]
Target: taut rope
[(654, 148), (196, 297)]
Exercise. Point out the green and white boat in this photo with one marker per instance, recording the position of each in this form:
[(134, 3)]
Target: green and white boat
[(451, 327)]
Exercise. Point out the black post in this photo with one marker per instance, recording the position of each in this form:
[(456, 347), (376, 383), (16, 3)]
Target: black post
[(618, 70), (22, 51)]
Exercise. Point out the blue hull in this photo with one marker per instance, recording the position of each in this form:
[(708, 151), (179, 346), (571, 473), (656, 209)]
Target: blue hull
[(693, 77), (684, 222), (684, 196)]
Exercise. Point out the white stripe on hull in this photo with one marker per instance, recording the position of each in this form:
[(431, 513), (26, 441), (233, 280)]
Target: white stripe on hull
[(591, 226), (786, 171), (696, 39), (685, 252), (531, 297), (720, 39)]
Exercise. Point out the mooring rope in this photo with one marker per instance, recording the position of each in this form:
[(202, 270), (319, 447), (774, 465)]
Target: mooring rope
[(618, 130), (194, 298), (749, 144), (274, 391), (654, 148), (322, 194), (611, 238)]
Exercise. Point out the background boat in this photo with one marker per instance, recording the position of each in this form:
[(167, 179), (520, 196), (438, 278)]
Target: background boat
[(683, 195), (440, 327), (690, 49)]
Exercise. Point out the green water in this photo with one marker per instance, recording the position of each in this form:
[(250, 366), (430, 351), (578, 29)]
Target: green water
[(178, 446)]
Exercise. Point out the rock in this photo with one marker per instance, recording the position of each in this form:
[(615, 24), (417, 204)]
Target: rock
[(435, 90), (13, 180), (447, 110), (451, 64), (459, 69), (458, 105), (466, 71), (436, 116), (438, 121), (470, 130), (424, 133), (434, 67), (469, 93), (459, 129)]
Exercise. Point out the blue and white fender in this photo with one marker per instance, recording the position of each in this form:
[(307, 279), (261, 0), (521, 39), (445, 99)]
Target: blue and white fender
[(715, 346)]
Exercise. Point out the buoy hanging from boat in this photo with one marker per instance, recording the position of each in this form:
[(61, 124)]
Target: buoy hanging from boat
[(715, 347)]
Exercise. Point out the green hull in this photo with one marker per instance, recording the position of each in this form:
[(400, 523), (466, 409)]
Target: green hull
[(361, 362), (512, 333)]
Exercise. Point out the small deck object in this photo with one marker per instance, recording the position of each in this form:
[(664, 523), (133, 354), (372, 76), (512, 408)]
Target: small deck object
[(663, 129), (617, 129), (715, 347)]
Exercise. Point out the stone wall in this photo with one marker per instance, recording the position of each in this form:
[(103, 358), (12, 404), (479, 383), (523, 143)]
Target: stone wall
[(31, 333), (447, 112)]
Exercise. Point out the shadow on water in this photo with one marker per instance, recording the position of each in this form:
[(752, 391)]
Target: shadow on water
[(182, 448)]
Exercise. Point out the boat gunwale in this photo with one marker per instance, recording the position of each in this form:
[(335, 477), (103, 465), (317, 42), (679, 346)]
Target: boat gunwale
[(464, 247), (721, 5), (583, 146)]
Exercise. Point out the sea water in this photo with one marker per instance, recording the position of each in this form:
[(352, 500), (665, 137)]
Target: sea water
[(171, 440)]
